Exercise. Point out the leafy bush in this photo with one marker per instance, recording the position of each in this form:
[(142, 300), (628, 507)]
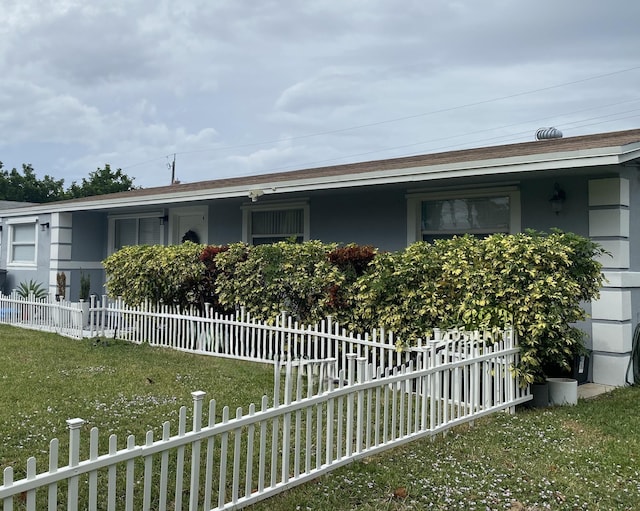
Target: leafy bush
[(353, 262), (85, 286), (156, 273), (533, 281), (283, 276), (207, 285), (31, 289)]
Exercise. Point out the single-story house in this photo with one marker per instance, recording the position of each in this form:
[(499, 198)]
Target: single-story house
[(589, 185)]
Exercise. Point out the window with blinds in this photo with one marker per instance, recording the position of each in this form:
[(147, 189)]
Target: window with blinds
[(270, 226)]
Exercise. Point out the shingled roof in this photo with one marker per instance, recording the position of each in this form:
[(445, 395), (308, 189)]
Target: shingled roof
[(612, 143)]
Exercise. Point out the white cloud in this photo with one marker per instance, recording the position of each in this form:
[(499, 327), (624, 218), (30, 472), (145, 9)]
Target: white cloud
[(128, 82)]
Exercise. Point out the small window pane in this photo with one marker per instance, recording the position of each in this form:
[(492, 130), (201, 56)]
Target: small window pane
[(149, 231), (24, 253), (473, 215), (258, 240), (24, 233), (125, 232)]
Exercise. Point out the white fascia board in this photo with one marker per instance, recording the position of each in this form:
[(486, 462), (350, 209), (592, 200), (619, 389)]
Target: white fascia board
[(632, 152), (516, 164), (429, 173)]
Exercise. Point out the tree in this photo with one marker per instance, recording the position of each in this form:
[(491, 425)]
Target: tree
[(24, 185), (101, 182)]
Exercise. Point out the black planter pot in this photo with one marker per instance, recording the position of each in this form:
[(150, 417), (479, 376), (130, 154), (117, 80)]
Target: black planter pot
[(540, 392)]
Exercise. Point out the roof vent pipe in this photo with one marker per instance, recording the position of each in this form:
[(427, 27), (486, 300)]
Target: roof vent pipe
[(548, 133)]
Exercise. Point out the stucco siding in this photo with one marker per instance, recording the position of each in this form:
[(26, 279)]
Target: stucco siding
[(225, 221), (89, 232), (536, 208), (367, 217)]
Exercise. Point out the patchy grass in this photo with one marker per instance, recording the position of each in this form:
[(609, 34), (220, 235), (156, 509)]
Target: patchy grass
[(585, 457), (119, 387)]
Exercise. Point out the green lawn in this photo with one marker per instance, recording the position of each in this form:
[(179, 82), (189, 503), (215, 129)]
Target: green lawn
[(119, 387), (584, 457)]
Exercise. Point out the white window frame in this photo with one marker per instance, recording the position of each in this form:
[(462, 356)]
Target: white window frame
[(111, 238), (247, 209), (10, 223), (415, 200)]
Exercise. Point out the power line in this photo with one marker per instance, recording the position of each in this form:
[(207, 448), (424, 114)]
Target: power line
[(505, 138), (392, 120)]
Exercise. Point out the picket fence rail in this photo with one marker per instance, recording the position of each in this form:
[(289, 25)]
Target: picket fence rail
[(317, 422), (47, 314), (243, 337)]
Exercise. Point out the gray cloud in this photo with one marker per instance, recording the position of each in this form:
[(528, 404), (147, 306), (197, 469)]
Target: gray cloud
[(236, 86)]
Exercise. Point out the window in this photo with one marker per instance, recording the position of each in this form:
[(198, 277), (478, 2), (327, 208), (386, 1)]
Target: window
[(23, 242), (135, 230), (273, 223), (444, 215)]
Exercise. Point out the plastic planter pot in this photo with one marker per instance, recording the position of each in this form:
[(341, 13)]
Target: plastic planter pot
[(563, 391)]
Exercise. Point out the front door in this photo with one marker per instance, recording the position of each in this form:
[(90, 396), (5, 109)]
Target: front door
[(188, 224)]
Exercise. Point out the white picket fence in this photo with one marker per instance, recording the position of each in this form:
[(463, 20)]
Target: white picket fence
[(240, 336), (319, 424), (47, 314)]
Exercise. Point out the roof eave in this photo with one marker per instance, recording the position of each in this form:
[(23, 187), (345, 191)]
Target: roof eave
[(511, 165)]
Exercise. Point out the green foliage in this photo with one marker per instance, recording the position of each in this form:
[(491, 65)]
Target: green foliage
[(155, 273), (207, 284), (25, 186), (85, 286), (533, 281), (268, 279), (353, 262), (32, 289), (100, 182)]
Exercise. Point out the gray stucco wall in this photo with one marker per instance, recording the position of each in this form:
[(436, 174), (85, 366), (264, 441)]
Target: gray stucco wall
[(536, 208), (632, 174), (89, 234), (225, 221), (366, 216)]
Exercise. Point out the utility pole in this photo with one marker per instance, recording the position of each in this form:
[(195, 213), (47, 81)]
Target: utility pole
[(173, 170)]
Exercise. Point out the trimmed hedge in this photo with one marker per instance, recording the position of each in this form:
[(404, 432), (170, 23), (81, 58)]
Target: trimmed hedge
[(156, 273), (537, 282)]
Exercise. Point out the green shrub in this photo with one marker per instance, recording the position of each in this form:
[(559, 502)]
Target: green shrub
[(31, 289), (85, 286), (207, 285), (283, 276), (353, 262), (533, 281), (156, 273)]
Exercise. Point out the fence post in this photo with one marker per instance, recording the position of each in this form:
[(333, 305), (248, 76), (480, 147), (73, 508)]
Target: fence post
[(74, 426), (362, 365), (198, 396), (351, 362)]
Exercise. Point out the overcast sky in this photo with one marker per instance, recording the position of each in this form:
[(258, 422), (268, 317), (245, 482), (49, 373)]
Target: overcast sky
[(238, 87)]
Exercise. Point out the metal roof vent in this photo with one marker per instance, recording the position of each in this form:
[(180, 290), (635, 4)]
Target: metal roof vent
[(548, 133)]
